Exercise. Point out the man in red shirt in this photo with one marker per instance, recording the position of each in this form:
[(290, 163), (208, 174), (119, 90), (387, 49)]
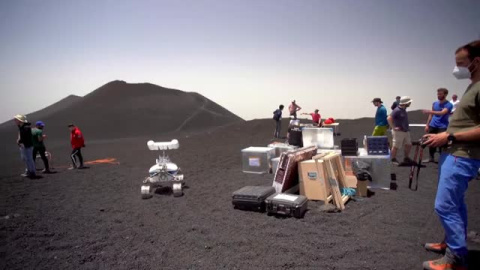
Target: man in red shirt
[(316, 117), (77, 142)]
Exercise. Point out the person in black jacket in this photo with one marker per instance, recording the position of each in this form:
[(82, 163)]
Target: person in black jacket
[(277, 116), (25, 142)]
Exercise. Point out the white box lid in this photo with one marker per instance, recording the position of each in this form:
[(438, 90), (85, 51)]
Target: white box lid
[(257, 149)]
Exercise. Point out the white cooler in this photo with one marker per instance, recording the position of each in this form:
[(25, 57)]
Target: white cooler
[(319, 137), (257, 159)]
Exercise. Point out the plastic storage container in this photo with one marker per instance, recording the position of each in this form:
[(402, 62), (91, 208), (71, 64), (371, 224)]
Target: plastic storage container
[(257, 159), (379, 168), (377, 145), (319, 137)]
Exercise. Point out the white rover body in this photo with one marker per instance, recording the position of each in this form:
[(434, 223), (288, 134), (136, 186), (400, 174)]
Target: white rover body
[(164, 171)]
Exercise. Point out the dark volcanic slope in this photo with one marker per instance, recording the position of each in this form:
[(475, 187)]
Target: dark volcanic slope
[(120, 110), (95, 219), (47, 111)]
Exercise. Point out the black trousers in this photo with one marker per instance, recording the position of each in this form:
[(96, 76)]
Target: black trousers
[(41, 151), (433, 130), (77, 153)]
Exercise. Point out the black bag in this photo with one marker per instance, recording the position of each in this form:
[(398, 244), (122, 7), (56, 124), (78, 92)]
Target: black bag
[(251, 198), (287, 204), (295, 137)]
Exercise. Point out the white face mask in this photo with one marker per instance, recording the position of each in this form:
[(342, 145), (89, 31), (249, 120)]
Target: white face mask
[(461, 73)]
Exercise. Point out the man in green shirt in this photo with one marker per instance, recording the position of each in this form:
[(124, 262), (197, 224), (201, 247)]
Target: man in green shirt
[(459, 163), (39, 146)]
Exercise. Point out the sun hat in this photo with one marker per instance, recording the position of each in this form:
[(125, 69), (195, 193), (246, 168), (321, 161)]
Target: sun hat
[(21, 118), (405, 100)]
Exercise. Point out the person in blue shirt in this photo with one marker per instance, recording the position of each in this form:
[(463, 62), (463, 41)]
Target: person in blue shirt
[(438, 119), (381, 123)]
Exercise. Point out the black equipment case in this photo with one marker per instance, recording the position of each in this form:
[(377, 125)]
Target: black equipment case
[(251, 198), (287, 204)]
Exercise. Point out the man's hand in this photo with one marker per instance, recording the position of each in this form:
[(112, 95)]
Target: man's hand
[(436, 140), (426, 129)]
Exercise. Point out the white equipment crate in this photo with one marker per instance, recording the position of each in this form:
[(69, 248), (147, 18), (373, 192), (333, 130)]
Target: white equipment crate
[(319, 137), (257, 159)]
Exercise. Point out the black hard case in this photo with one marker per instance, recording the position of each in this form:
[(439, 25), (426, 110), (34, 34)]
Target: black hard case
[(251, 198), (280, 206)]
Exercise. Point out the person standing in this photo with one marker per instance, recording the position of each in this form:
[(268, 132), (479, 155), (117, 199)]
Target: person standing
[(39, 145), (395, 103), (277, 116), (438, 118), (459, 163), (293, 108), (454, 102), (381, 123), (77, 141), (398, 121), (25, 142), (316, 117)]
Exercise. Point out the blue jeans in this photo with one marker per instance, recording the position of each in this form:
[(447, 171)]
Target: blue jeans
[(453, 177), (27, 156)]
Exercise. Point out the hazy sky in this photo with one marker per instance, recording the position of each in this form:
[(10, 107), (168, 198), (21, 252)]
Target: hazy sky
[(248, 56)]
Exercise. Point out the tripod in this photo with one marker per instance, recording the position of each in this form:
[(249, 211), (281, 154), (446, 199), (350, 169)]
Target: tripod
[(417, 164)]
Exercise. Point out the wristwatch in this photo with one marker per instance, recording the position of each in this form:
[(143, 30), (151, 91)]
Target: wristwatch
[(451, 138)]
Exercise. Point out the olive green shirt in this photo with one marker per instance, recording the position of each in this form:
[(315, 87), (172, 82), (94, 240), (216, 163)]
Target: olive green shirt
[(37, 133), (466, 117)]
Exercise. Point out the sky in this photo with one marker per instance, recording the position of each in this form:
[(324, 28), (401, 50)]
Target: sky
[(249, 56)]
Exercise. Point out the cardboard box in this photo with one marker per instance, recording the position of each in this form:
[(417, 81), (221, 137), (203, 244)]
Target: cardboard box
[(312, 181)]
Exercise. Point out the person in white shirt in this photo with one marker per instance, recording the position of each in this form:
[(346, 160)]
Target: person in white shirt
[(454, 102)]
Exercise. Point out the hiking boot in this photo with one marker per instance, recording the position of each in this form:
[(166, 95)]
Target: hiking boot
[(73, 168), (81, 167), (448, 262), (436, 247), (395, 162), (24, 175)]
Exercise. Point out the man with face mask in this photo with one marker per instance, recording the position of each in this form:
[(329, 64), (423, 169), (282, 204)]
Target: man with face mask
[(438, 118), (398, 121), (459, 163)]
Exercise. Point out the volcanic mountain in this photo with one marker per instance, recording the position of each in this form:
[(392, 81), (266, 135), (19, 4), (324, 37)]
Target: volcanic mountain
[(120, 110)]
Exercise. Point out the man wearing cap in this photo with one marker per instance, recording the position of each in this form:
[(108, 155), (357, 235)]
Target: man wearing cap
[(398, 121), (395, 103), (438, 118), (459, 163), (316, 117), (25, 143), (77, 142), (39, 146), (381, 123)]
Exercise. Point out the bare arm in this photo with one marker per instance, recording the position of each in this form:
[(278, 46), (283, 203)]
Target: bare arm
[(468, 136), (390, 121), (440, 113)]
